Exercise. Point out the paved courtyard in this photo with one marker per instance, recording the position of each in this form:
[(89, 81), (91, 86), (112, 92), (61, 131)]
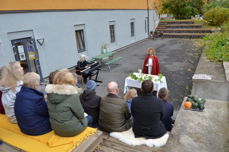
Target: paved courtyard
[(178, 60)]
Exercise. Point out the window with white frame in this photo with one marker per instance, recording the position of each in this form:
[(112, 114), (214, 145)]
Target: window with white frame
[(112, 31), (80, 38), (132, 28)]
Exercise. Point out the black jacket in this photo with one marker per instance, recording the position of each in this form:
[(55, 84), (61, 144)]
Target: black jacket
[(148, 112), (81, 65), (91, 104)]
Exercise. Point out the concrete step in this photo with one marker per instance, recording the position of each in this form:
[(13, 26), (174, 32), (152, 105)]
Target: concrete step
[(184, 35), (183, 26), (178, 22), (184, 30)]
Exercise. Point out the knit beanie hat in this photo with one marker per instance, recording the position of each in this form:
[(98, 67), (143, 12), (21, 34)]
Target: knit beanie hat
[(91, 85)]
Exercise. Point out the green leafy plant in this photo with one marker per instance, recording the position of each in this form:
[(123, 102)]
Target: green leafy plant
[(217, 47), (183, 9), (217, 16), (141, 77)]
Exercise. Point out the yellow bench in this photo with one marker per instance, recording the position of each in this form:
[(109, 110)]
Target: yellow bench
[(11, 134)]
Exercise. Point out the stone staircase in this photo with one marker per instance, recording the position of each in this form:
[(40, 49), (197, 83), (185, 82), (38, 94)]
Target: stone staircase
[(181, 29)]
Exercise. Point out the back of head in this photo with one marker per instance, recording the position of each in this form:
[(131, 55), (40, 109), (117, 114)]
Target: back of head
[(147, 86), (112, 87), (10, 74), (31, 80), (65, 77), (51, 76), (130, 94), (91, 85), (163, 93)]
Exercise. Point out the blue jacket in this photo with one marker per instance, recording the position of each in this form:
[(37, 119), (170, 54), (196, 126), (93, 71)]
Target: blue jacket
[(31, 112), (167, 120)]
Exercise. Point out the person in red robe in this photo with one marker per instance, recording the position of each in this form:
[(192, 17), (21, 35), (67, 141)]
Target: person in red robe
[(151, 63)]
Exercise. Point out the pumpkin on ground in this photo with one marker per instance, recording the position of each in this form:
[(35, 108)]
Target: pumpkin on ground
[(188, 105)]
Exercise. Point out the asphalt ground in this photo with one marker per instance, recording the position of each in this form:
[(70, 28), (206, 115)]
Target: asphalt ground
[(178, 60)]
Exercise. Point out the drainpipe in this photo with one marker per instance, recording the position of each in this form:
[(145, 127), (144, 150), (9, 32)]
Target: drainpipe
[(148, 17)]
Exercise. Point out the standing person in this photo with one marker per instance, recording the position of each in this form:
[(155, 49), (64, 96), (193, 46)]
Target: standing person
[(30, 107), (151, 63), (11, 82), (91, 102), (167, 120), (147, 111), (114, 114), (65, 110)]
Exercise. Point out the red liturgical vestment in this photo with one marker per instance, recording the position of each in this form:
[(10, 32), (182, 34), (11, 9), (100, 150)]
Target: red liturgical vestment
[(156, 67)]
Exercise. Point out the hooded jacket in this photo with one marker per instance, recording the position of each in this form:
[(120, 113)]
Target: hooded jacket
[(8, 100), (91, 102), (65, 110)]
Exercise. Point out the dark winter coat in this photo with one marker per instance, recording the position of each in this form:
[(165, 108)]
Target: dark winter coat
[(114, 114), (167, 120), (91, 104), (65, 110), (148, 112), (31, 112)]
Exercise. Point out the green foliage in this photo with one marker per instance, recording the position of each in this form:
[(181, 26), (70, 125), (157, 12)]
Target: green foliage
[(225, 27), (141, 77), (216, 3), (217, 47), (183, 9), (217, 16)]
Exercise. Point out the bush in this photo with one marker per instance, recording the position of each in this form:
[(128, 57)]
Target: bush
[(216, 3), (217, 47), (217, 16), (182, 9), (225, 27)]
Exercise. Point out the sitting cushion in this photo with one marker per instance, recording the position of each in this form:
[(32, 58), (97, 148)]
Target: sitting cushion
[(129, 138), (11, 134)]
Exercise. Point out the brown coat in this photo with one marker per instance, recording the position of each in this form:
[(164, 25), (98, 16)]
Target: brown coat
[(114, 114)]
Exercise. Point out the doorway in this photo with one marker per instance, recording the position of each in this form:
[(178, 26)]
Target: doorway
[(25, 51)]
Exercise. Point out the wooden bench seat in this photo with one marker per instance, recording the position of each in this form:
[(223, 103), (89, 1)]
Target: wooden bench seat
[(108, 63)]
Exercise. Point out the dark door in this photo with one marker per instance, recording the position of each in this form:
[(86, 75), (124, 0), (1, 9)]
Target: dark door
[(26, 52)]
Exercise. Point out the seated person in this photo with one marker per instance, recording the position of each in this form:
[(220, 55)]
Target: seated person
[(11, 82), (129, 96), (81, 65), (91, 102), (167, 120), (31, 108), (65, 110), (114, 114), (148, 111)]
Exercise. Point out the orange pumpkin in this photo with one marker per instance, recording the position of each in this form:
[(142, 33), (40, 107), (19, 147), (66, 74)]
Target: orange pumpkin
[(188, 105)]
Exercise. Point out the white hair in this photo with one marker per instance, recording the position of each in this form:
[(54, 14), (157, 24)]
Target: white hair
[(83, 57), (31, 79)]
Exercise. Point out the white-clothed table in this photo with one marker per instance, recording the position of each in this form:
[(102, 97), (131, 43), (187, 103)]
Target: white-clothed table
[(129, 82)]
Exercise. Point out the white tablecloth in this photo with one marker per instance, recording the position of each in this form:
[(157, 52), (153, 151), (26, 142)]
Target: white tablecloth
[(129, 82)]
